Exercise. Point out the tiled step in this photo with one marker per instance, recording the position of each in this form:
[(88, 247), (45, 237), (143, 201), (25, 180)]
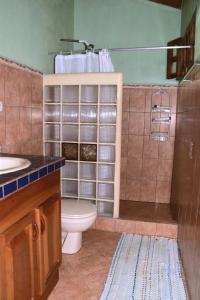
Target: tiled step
[(137, 227)]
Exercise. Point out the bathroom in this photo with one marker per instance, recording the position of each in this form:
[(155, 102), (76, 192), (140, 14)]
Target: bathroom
[(158, 194)]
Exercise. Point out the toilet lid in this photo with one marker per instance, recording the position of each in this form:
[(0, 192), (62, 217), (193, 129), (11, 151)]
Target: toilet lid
[(77, 208)]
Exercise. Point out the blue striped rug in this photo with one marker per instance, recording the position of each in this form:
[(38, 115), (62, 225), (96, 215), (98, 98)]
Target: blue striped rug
[(145, 268)]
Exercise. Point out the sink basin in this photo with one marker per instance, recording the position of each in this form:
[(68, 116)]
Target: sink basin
[(12, 164)]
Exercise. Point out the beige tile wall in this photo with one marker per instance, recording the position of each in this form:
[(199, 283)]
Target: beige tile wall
[(21, 118), (146, 164)]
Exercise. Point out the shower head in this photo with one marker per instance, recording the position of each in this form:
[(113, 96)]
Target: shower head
[(87, 45)]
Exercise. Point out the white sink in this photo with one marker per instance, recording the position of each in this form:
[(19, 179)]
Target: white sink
[(12, 164)]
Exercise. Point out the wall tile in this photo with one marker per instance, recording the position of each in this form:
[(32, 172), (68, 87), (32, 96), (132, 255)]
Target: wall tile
[(12, 86), (2, 128), (123, 190), (163, 190), (166, 230), (2, 82), (125, 226), (125, 105), (133, 189), (173, 93), (25, 124), (37, 127), (20, 125), (37, 91), (12, 125), (125, 122), (146, 228), (137, 100), (25, 90), (150, 148), (147, 159), (107, 224), (148, 92), (147, 124), (166, 149), (124, 149), (164, 168), (135, 146), (148, 190), (134, 168), (150, 168), (123, 169), (173, 125), (136, 123)]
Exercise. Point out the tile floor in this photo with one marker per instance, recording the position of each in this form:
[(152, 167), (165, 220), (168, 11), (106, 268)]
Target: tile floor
[(82, 275), (146, 211)]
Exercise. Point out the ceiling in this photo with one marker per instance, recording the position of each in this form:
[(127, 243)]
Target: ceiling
[(173, 3)]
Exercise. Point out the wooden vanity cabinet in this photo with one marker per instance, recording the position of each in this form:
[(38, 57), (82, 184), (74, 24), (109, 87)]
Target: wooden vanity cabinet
[(30, 241), (49, 243), (18, 257)]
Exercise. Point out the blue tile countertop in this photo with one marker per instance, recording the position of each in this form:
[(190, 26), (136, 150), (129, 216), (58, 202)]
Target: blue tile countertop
[(40, 167)]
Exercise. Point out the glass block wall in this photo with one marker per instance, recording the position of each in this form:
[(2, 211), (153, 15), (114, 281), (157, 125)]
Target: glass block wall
[(82, 122)]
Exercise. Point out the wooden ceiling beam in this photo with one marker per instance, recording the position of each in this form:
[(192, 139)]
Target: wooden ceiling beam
[(172, 3)]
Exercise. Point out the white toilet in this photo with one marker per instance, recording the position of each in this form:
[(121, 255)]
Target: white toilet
[(76, 216)]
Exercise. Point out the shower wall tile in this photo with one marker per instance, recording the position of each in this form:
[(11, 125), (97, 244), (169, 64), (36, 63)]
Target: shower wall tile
[(126, 100), (164, 168), (133, 189), (21, 119), (134, 168), (148, 190), (137, 100), (125, 122), (135, 146), (163, 191), (148, 170), (2, 83), (136, 123), (124, 142), (150, 148)]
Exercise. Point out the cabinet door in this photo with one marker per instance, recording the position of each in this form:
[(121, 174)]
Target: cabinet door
[(18, 264), (49, 221)]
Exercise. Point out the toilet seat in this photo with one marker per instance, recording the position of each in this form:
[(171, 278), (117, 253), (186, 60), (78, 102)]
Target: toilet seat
[(74, 209)]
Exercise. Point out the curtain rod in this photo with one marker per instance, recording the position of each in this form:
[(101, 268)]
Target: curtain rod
[(122, 49)]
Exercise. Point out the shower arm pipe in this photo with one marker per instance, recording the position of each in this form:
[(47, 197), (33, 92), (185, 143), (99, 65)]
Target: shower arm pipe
[(122, 49), (87, 45)]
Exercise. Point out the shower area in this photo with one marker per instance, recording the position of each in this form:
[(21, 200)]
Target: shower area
[(118, 140), (148, 136)]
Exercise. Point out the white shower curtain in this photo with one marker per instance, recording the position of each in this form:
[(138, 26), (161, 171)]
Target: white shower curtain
[(80, 63)]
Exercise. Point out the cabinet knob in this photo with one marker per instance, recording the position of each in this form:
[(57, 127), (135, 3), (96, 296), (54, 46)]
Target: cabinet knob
[(43, 224), (35, 231)]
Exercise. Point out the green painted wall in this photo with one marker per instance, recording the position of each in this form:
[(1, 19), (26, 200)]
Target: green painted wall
[(29, 29), (129, 23)]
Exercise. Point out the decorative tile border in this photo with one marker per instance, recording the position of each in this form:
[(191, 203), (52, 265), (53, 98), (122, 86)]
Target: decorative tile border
[(10, 187)]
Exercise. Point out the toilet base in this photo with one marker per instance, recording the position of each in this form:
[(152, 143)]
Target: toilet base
[(72, 242)]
